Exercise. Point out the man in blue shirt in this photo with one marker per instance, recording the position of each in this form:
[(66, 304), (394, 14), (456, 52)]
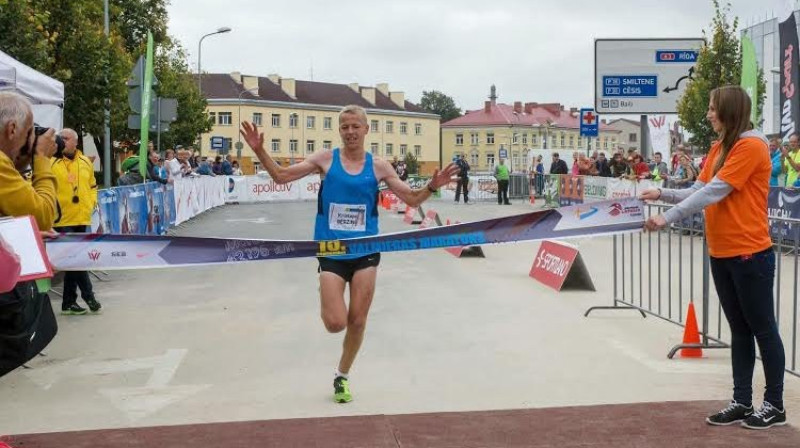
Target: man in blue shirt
[(777, 178), (347, 208), (227, 167)]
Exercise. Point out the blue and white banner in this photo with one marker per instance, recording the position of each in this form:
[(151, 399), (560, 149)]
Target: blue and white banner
[(106, 252)]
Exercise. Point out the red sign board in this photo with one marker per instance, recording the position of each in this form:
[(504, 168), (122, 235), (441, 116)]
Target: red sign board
[(553, 263), (430, 219)]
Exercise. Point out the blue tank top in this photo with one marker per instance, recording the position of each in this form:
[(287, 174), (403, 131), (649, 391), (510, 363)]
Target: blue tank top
[(347, 204)]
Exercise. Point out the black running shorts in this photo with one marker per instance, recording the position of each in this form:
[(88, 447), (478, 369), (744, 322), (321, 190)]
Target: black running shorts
[(346, 268)]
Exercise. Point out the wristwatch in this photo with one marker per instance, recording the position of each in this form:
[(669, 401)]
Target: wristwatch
[(432, 190)]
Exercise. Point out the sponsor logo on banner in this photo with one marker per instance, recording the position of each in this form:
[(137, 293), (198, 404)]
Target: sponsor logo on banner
[(271, 187), (553, 263), (117, 254), (330, 248), (94, 255), (576, 217)]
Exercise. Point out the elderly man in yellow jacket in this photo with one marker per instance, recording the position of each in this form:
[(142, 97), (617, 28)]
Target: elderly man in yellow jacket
[(77, 198)]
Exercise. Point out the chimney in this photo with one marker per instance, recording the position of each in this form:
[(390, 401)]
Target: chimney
[(237, 77), (398, 98), (275, 78), (368, 93), (529, 108), (517, 107), (288, 86), (573, 111), (487, 107), (354, 86), (250, 83), (383, 88)]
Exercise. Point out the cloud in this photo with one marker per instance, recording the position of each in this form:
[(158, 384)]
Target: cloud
[(533, 51)]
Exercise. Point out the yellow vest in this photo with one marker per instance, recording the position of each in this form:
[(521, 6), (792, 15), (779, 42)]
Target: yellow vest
[(75, 180)]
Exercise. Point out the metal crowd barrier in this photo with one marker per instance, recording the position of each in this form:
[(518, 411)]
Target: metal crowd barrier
[(660, 273)]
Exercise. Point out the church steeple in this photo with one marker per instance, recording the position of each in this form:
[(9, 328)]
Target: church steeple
[(493, 95)]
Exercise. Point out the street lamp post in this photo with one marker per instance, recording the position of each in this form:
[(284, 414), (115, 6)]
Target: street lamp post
[(221, 30), (106, 117)]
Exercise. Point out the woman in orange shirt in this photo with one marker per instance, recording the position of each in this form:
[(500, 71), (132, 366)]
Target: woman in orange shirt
[(732, 188)]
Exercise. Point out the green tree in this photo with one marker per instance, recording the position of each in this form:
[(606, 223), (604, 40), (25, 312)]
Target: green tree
[(438, 103), (412, 164), (719, 63)]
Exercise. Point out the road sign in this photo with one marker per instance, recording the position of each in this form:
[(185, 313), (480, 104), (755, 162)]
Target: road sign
[(642, 76), (217, 143), (503, 153), (589, 123)]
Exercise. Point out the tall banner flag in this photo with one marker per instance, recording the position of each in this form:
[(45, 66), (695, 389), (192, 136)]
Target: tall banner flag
[(790, 103), (147, 93), (750, 76)]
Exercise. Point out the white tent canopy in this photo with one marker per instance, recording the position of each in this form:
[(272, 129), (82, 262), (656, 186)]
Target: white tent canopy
[(46, 93)]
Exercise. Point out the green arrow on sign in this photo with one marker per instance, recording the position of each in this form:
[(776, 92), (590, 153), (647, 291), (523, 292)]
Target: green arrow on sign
[(147, 93)]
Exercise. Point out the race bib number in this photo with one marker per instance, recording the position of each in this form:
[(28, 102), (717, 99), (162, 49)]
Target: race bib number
[(350, 218)]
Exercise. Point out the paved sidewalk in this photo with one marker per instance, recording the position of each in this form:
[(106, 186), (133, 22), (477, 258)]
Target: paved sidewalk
[(244, 342)]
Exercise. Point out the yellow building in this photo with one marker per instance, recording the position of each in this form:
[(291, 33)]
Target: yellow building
[(301, 117), (516, 130)]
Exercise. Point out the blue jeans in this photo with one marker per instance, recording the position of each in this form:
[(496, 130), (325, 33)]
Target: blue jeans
[(745, 288)]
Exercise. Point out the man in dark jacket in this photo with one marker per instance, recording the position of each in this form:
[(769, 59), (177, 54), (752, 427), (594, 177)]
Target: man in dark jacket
[(603, 168), (558, 166), (463, 179)]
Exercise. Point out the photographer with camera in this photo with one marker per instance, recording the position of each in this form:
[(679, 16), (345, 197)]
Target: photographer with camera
[(77, 198), (27, 323)]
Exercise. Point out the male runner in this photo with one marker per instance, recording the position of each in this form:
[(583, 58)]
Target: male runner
[(347, 207)]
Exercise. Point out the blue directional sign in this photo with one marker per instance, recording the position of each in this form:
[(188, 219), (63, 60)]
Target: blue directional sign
[(589, 120), (676, 56), (217, 143), (503, 153), (630, 86)]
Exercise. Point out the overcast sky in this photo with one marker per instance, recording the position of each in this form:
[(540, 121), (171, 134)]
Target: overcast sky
[(532, 50)]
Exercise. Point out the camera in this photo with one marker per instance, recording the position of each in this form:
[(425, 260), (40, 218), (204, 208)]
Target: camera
[(39, 130)]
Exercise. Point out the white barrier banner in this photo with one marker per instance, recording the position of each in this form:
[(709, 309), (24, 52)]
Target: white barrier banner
[(309, 187), (620, 188), (264, 189), (236, 189), (595, 189)]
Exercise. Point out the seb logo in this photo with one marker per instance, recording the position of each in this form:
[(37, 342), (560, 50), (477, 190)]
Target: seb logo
[(94, 255)]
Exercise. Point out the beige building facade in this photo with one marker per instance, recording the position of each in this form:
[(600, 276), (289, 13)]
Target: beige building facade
[(299, 118)]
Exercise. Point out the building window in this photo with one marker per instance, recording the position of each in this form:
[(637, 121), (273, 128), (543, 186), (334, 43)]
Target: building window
[(572, 141), (533, 139), (276, 145), (515, 160), (225, 118), (293, 120), (605, 142), (563, 139), (311, 122), (632, 137), (403, 150), (326, 145), (293, 146), (515, 139), (373, 148), (276, 120), (373, 127), (418, 128), (490, 160), (417, 151), (403, 127), (327, 123), (490, 138), (389, 127), (524, 139), (474, 158), (459, 139), (474, 138), (257, 118), (309, 146), (389, 149), (212, 117)]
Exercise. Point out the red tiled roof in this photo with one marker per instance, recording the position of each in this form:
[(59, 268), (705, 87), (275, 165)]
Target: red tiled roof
[(223, 86), (503, 115)]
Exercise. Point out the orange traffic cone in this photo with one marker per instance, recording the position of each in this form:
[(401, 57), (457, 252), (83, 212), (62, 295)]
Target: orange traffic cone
[(691, 335)]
